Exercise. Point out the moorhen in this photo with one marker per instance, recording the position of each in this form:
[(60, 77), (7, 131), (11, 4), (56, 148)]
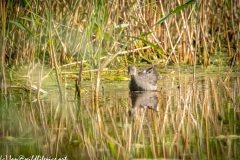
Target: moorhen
[(145, 80)]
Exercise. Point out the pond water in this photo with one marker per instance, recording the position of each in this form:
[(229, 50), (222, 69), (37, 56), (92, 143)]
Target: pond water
[(186, 118)]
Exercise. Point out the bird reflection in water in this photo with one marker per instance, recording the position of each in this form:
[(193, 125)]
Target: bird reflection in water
[(143, 99)]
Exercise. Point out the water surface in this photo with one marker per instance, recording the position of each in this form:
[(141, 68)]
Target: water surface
[(186, 118)]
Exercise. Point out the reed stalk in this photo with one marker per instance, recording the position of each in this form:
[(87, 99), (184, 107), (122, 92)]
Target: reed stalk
[(3, 11)]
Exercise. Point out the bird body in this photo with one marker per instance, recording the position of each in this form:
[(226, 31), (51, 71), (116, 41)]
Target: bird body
[(145, 80)]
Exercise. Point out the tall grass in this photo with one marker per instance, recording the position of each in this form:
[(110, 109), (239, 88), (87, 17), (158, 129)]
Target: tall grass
[(97, 32)]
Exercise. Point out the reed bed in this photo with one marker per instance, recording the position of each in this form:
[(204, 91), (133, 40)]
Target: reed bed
[(103, 33)]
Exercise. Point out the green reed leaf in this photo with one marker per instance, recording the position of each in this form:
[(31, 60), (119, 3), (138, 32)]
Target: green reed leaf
[(112, 148), (27, 18), (22, 26), (163, 19), (176, 10), (145, 34), (156, 47), (17, 24), (179, 8)]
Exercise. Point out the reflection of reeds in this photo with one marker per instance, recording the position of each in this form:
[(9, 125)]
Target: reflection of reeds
[(188, 128)]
